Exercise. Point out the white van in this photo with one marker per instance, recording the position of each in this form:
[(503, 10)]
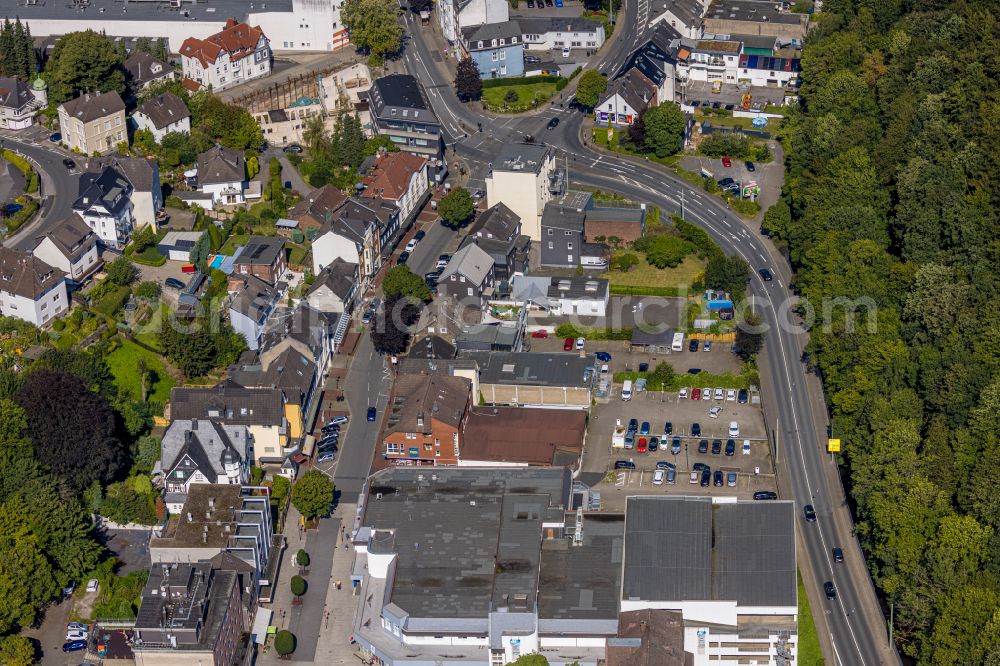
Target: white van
[(627, 390), (678, 344)]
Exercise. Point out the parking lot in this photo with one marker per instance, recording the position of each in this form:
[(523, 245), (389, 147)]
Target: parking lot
[(719, 360)]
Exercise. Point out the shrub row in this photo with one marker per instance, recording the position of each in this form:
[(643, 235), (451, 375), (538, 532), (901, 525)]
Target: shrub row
[(15, 221), (571, 331), (629, 290), (521, 81)]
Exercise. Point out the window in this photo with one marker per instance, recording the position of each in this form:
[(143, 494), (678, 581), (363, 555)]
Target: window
[(550, 232), (567, 233), (493, 43), (513, 40), (469, 291), (569, 246), (503, 55), (392, 448), (480, 44), (495, 57), (550, 245), (461, 278), (501, 42)]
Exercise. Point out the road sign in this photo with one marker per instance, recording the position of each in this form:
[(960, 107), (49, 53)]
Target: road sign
[(833, 446), (611, 135), (760, 122)]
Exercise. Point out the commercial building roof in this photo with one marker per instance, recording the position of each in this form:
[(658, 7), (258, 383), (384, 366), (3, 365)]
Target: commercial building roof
[(648, 637), (755, 11), (528, 157), (541, 25), (533, 368), (181, 240), (519, 435), (419, 399), (689, 549), (228, 403), (562, 218), (98, 11)]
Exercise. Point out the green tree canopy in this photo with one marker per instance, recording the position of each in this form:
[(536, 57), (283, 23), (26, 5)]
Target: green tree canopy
[(401, 280), (592, 85), (663, 127), (456, 207), (16, 651), (374, 26), (84, 62), (121, 271), (284, 642), (468, 82), (312, 494)]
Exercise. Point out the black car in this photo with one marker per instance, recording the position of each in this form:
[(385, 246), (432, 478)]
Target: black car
[(675, 445), (838, 555), (433, 275), (720, 478), (730, 107), (644, 367), (716, 105), (293, 148), (730, 447), (668, 428), (810, 513), (173, 283), (716, 447), (694, 371), (706, 477), (444, 257), (624, 464), (69, 164), (698, 467), (55, 137), (726, 181), (696, 103), (531, 4), (553, 123), (750, 167), (741, 397), (693, 346), (765, 495), (403, 258), (633, 425), (703, 446), (372, 413), (654, 443), (367, 317), (419, 235), (830, 590), (696, 430), (765, 275)]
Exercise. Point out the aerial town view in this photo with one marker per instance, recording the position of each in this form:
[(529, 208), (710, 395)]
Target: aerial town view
[(499, 332)]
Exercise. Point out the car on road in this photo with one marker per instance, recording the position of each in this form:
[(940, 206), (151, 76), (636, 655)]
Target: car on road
[(403, 258), (707, 346), (553, 123), (829, 590), (731, 479), (293, 148), (750, 167), (644, 428), (746, 447), (372, 412), (658, 477), (696, 394), (173, 283), (703, 446), (419, 236), (367, 317), (624, 464), (603, 357), (326, 457), (719, 478), (412, 245), (580, 342), (55, 137), (734, 429), (568, 344), (706, 477), (74, 646), (69, 164), (741, 397), (726, 162), (765, 495), (810, 513), (540, 333), (838, 555), (730, 447), (716, 447), (765, 274), (693, 346), (696, 430)]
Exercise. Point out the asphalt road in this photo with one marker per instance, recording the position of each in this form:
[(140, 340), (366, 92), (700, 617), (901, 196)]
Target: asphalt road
[(58, 190), (852, 627)]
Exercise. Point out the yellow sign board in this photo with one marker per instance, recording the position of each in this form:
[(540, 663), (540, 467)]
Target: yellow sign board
[(833, 446)]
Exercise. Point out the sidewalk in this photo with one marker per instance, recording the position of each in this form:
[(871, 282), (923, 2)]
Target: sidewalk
[(334, 646)]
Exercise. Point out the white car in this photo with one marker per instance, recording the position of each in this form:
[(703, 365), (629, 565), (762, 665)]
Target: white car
[(719, 394), (441, 264), (77, 626), (682, 394), (731, 395), (714, 411), (580, 342), (411, 245), (734, 429), (746, 447), (706, 394), (565, 52), (76, 635), (658, 477), (92, 585)]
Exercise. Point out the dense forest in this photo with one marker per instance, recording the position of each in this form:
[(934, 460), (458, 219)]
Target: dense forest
[(890, 200)]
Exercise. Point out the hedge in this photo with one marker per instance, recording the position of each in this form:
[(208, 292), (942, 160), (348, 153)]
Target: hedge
[(726, 381), (520, 81), (629, 290), (149, 257), (571, 331), (110, 303), (17, 220)]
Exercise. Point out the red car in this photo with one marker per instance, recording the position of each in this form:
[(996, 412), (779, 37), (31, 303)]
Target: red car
[(568, 345), (726, 162), (641, 446), (696, 394), (542, 333)]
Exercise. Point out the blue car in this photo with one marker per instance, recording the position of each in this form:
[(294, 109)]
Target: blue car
[(644, 429), (74, 646), (603, 357), (371, 413)]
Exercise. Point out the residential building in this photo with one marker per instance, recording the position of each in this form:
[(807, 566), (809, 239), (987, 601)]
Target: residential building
[(343, 233), (468, 277), (222, 172), (143, 70), (234, 55), (448, 367), (93, 123), (105, 205), (656, 59), (424, 419), (595, 255), (251, 307), (195, 613), (727, 567), (400, 111), (163, 114), (177, 245), (399, 179), (311, 331), (534, 379), (30, 289), (518, 437), (524, 178), (507, 336), (496, 48), (755, 17), (684, 16), (70, 246), (626, 97), (767, 71), (454, 15), (194, 451), (318, 207), (292, 25), (335, 288), (144, 177), (263, 257), (602, 221), (19, 102), (549, 33), (709, 60), (562, 235), (287, 125), (560, 296), (261, 410), (507, 581), (431, 346), (497, 231)]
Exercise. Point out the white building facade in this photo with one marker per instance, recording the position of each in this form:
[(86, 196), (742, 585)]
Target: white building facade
[(239, 53)]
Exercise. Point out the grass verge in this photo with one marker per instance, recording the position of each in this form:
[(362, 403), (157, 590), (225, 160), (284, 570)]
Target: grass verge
[(529, 96), (810, 653)]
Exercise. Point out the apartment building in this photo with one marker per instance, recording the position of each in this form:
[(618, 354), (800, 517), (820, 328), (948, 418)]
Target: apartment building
[(93, 123)]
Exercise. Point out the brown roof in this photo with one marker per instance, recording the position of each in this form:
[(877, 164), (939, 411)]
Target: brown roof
[(389, 177), (91, 106), (164, 109), (661, 639), (517, 434), (220, 164), (319, 204), (25, 275), (144, 68), (72, 236), (427, 397), (237, 39)]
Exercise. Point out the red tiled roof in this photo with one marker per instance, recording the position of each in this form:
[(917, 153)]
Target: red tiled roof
[(390, 177), (237, 39), (191, 84)]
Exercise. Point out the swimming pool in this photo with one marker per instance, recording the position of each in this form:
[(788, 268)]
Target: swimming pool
[(217, 261)]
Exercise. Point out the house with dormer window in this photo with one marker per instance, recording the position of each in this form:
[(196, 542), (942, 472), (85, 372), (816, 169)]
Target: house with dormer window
[(234, 55), (496, 48), (202, 451), (105, 204)]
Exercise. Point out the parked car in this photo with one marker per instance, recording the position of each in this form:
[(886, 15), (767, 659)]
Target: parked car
[(74, 646), (741, 396), (654, 443), (675, 445), (69, 164), (629, 439), (765, 274), (293, 148), (371, 413), (580, 342), (663, 464), (671, 475), (750, 167), (568, 344), (719, 394), (700, 467), (76, 635), (624, 464), (644, 428), (658, 477), (633, 425), (765, 495), (726, 181), (565, 52), (326, 456), (706, 394), (11, 208), (419, 236), (719, 479), (411, 246), (716, 447), (734, 429), (810, 513), (55, 137), (706, 477), (403, 258), (696, 430), (730, 447), (79, 626), (829, 590), (693, 346), (746, 447), (731, 479), (367, 317), (540, 333), (603, 357), (173, 283), (703, 446), (642, 445), (726, 162), (682, 394), (93, 585), (668, 428), (714, 411), (731, 395), (707, 346), (696, 394)]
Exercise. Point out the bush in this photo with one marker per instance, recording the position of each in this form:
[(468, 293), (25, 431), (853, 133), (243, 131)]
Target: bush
[(302, 558), (284, 642), (111, 302), (572, 331), (298, 585), (121, 272), (148, 289), (15, 221), (519, 81), (149, 257), (58, 325), (732, 144)]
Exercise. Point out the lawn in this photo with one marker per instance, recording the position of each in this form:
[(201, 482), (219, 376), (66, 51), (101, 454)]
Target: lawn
[(236, 240), (645, 274), (540, 92), (122, 363), (809, 650)]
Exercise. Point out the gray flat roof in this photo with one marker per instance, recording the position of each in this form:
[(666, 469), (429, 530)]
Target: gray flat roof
[(533, 368), (520, 157), (757, 11), (689, 549), (99, 11)]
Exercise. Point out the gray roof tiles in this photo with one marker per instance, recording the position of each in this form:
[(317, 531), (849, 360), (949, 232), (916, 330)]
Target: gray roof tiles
[(472, 262), (164, 110), (221, 165), (91, 106), (532, 368)]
